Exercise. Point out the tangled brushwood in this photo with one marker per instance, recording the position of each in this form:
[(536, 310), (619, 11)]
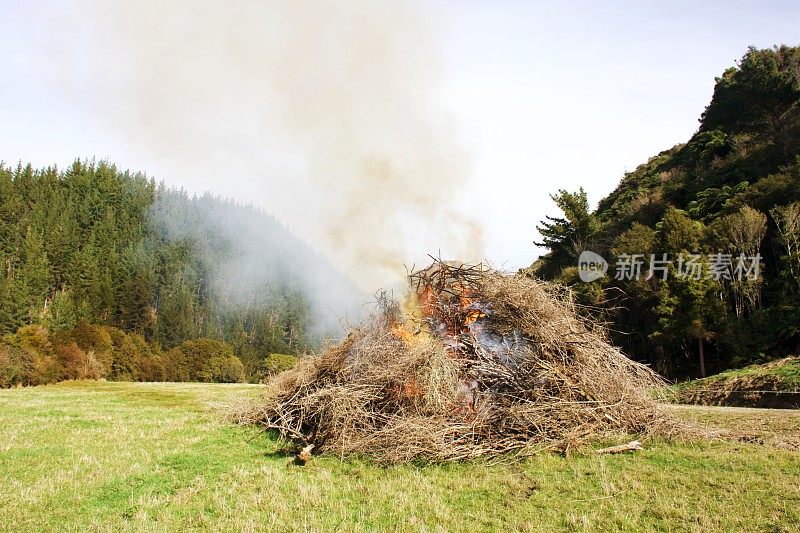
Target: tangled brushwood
[(474, 363)]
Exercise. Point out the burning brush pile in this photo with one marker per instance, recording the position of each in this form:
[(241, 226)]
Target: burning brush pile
[(474, 363)]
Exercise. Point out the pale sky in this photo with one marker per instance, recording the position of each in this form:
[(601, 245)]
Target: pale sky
[(541, 96)]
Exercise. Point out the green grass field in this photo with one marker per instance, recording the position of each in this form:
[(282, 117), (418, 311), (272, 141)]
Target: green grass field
[(128, 456)]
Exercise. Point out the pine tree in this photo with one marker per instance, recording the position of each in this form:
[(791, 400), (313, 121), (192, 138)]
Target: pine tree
[(34, 272)]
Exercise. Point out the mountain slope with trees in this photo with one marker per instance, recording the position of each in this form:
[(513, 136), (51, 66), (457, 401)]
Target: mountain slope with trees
[(93, 245), (733, 188)]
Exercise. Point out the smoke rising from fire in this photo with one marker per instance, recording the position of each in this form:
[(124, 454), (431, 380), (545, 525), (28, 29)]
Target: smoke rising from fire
[(325, 113)]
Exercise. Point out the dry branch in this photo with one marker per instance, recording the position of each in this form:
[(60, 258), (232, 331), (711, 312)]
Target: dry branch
[(495, 364)]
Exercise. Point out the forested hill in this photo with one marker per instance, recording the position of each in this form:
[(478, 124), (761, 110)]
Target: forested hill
[(733, 188), (93, 244)]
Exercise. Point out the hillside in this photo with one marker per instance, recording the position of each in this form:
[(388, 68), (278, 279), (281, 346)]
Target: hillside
[(775, 384), (92, 244), (731, 191)]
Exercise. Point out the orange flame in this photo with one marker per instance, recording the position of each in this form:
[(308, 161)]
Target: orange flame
[(402, 333), (467, 297), (409, 390), (427, 300), (473, 315)]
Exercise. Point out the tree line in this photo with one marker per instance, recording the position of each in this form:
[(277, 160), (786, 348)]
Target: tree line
[(732, 190), (35, 356), (91, 248)]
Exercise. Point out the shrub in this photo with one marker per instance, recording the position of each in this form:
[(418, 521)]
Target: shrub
[(11, 368), (144, 353), (278, 362), (39, 365), (153, 368), (92, 339), (176, 365), (227, 369), (40, 369), (78, 364), (125, 356), (200, 356), (35, 338), (33, 356)]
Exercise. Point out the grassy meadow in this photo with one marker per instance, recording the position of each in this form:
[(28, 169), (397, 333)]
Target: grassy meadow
[(101, 456)]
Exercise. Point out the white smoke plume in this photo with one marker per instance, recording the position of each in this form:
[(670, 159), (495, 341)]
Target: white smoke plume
[(323, 112)]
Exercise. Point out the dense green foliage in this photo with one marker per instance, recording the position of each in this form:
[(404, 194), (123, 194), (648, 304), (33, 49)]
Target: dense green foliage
[(35, 356), (733, 188), (278, 362), (93, 244)]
